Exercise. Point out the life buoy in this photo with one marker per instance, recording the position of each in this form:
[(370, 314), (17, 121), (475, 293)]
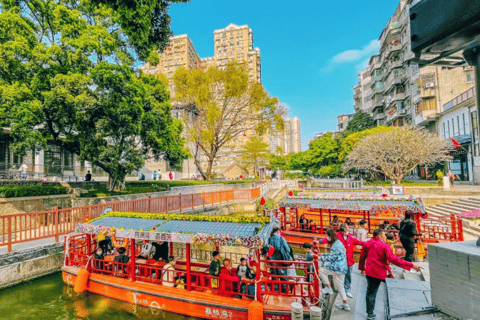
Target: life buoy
[(116, 245)]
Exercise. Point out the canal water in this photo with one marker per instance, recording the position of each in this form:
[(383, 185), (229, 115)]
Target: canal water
[(48, 298)]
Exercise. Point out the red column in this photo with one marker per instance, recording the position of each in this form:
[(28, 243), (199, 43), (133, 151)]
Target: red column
[(321, 222), (89, 244), (368, 221), (316, 283), (258, 274), (171, 248), (460, 229), (417, 221), (453, 223), (132, 259), (180, 202), (189, 276)]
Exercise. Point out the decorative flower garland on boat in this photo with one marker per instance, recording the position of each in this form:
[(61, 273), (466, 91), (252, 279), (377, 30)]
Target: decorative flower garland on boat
[(342, 190), (228, 240), (356, 198), (185, 217)]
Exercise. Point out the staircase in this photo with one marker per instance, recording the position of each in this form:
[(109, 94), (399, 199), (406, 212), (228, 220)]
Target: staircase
[(443, 210)]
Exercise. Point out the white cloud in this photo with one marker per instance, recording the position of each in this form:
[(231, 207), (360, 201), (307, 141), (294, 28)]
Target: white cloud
[(354, 55)]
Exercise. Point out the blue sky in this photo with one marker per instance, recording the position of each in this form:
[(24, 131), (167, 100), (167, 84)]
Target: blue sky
[(311, 51)]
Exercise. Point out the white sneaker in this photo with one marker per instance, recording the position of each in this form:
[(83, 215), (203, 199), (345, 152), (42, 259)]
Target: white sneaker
[(327, 291), (343, 306), (349, 295)]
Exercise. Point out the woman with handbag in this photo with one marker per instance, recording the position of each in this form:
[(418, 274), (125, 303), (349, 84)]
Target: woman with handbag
[(335, 265)]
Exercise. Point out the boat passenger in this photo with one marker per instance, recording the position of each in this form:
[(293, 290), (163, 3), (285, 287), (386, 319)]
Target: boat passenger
[(349, 222), (214, 268), (161, 251), (105, 242), (335, 265), (228, 278), (335, 221), (180, 281), (303, 222), (309, 258), (313, 226), (147, 251), (362, 232), (391, 241), (408, 231), (282, 251), (168, 275), (246, 271), (99, 256), (122, 258)]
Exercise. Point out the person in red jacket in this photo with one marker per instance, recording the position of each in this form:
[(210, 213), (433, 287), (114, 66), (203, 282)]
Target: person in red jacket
[(228, 277), (348, 242), (374, 259)]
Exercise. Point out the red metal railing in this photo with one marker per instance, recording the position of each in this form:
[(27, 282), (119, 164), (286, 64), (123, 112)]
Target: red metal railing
[(24, 227)]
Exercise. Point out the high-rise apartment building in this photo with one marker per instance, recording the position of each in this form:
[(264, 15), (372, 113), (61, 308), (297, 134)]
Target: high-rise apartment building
[(363, 91), (400, 92), (343, 121), (231, 44), (289, 140)]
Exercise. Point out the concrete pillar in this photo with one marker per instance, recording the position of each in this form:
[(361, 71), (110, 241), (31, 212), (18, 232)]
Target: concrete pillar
[(40, 161), (315, 313), (297, 311), (446, 182)]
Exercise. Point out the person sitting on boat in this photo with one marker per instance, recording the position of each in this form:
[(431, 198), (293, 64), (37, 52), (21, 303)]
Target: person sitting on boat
[(335, 221), (303, 222), (335, 265), (147, 251), (362, 231), (313, 226), (282, 251), (168, 275), (244, 270), (214, 268), (161, 251), (122, 258), (228, 278), (105, 242), (309, 258), (99, 256), (180, 281)]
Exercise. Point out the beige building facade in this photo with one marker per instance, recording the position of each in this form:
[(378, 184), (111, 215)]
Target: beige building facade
[(287, 141)]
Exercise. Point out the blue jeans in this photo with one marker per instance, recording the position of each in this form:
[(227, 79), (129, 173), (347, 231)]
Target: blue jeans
[(348, 279)]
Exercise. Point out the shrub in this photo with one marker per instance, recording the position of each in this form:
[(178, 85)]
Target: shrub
[(31, 191)]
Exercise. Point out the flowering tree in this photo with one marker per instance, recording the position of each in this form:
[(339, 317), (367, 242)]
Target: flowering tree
[(397, 152)]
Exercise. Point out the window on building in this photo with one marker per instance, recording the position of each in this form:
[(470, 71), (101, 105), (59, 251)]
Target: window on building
[(17, 159), (470, 78), (458, 125), (476, 142)]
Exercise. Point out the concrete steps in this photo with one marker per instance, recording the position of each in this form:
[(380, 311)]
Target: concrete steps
[(443, 210)]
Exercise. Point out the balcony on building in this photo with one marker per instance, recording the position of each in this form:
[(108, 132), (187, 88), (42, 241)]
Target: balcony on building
[(377, 101), (378, 114), (375, 62), (393, 27)]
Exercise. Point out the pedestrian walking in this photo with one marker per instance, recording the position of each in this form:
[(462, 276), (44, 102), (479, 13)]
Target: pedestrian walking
[(88, 176), (23, 170), (170, 175), (408, 231), (349, 243), (154, 175), (374, 263), (451, 177)]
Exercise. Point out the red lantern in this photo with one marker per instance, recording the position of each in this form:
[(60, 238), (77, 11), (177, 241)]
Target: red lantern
[(290, 193), (282, 209), (262, 201)]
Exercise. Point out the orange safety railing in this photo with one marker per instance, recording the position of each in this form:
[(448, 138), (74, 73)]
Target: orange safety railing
[(24, 227)]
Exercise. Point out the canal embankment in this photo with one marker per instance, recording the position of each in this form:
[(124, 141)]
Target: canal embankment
[(29, 264)]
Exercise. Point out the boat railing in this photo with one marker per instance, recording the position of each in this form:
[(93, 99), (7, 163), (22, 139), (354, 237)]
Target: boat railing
[(203, 281), (206, 255), (301, 282), (77, 250), (109, 268)]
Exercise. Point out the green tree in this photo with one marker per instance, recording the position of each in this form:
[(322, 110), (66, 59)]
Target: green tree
[(280, 162), (67, 76), (360, 121), (227, 107), (255, 153)]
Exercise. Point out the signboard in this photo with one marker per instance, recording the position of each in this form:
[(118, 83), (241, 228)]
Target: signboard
[(397, 190), (154, 236), (138, 235)]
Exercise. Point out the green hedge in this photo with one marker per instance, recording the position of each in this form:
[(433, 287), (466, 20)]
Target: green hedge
[(31, 191)]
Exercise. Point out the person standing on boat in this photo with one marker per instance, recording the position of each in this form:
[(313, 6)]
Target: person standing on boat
[(408, 231), (374, 262), (335, 265), (362, 232), (282, 251), (335, 221), (168, 275), (161, 251), (214, 268)]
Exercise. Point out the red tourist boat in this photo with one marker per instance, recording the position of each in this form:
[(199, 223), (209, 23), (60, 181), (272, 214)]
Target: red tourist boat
[(188, 288), (319, 210)]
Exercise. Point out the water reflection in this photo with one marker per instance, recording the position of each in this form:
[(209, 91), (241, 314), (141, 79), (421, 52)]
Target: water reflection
[(49, 298)]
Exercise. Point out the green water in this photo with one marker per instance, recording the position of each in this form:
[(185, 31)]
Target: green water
[(48, 298)]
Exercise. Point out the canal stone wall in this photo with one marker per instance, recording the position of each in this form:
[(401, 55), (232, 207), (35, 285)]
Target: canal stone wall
[(29, 264)]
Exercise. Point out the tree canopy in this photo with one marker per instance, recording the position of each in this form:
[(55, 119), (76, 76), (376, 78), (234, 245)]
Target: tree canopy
[(360, 121), (255, 153), (67, 76), (397, 152), (227, 107)]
